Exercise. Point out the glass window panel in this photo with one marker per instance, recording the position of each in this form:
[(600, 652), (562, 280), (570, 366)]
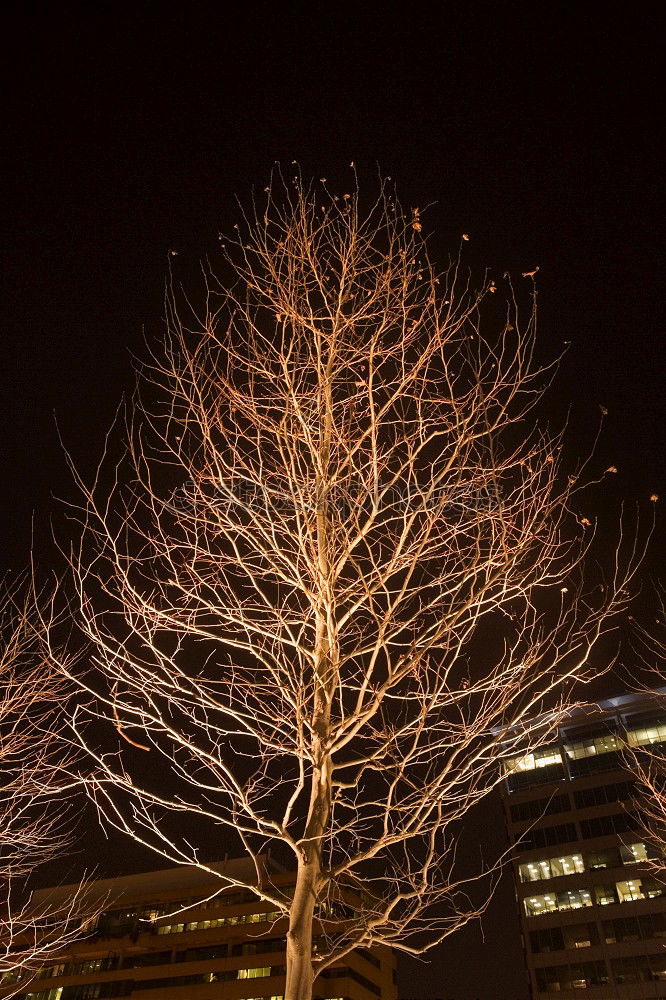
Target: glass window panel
[(523, 763), (592, 746), (646, 735), (632, 853), (534, 871), (573, 899), (609, 858), (547, 756), (254, 973), (605, 895), (629, 890), (536, 905), (529, 761), (567, 865)]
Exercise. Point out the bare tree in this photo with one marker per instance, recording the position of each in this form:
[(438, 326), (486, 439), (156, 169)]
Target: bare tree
[(333, 566), (35, 825)]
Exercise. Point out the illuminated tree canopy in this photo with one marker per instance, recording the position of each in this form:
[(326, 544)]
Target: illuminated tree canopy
[(333, 566)]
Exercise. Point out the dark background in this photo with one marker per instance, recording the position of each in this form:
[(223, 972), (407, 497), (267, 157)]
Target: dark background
[(129, 131)]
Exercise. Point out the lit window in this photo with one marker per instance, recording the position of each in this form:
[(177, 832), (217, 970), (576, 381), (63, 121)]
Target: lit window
[(573, 899), (536, 905), (630, 890), (530, 761), (634, 853), (259, 973), (534, 871), (549, 903), (593, 746), (242, 918), (646, 735)]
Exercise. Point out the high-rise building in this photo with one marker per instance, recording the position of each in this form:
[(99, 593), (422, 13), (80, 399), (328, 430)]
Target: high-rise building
[(164, 936), (592, 901)]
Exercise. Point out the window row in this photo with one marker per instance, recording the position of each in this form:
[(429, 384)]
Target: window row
[(646, 927), (646, 735), (584, 766), (639, 969), (570, 864), (122, 988), (535, 759), (606, 826), (586, 975), (603, 895), (547, 836), (593, 746), (152, 958), (85, 991), (153, 911), (224, 976), (642, 928), (590, 829), (204, 925), (258, 947), (567, 938), (604, 742), (534, 808), (343, 972), (552, 902), (583, 976), (536, 871), (600, 795), (112, 962)]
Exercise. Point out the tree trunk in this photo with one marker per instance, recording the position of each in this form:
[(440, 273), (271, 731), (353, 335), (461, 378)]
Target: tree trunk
[(299, 937), (300, 976)]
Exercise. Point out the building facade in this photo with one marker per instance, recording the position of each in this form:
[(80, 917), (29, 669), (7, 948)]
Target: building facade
[(592, 899), (163, 936)]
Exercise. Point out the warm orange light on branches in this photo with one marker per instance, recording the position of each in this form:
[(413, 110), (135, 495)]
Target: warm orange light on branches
[(329, 571), (33, 785)]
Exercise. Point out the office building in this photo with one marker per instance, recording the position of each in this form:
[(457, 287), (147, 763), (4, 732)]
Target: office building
[(164, 936), (592, 900)]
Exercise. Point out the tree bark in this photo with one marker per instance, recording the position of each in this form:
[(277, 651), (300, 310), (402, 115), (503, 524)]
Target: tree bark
[(300, 974), (299, 938)]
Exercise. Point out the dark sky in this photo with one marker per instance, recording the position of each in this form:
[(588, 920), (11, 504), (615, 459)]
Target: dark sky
[(129, 131)]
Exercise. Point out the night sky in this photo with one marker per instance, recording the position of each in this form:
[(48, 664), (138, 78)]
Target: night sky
[(130, 131)]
